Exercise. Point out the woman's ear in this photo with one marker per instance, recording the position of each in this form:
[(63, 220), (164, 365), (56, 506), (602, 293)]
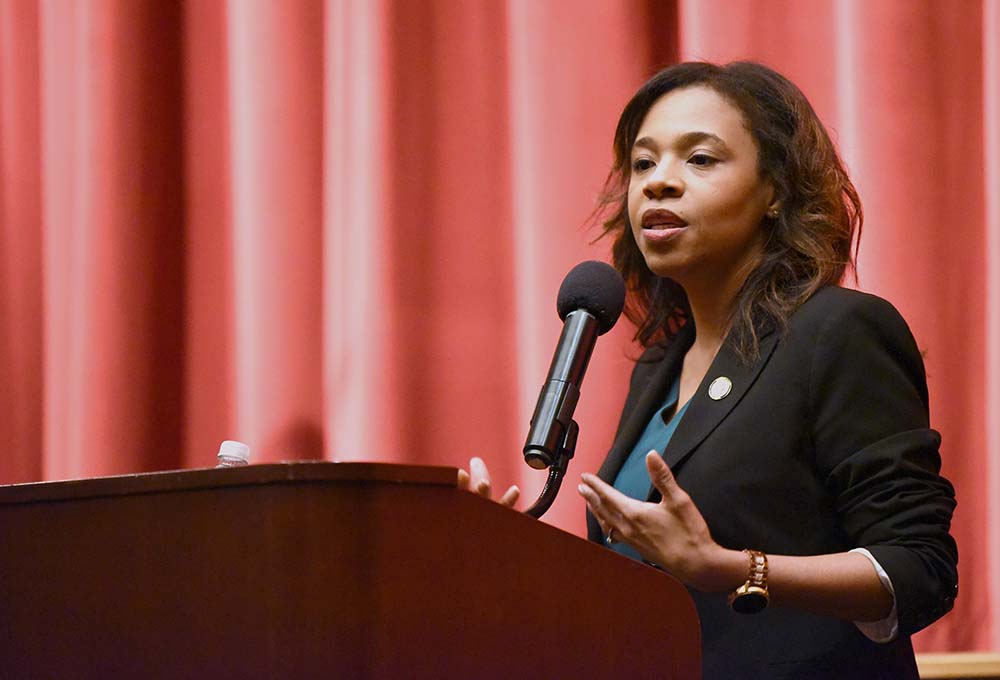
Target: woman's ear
[(773, 200)]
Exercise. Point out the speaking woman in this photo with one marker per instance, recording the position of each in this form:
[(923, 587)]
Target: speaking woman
[(774, 452)]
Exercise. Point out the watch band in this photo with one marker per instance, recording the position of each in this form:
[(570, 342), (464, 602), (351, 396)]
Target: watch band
[(752, 596)]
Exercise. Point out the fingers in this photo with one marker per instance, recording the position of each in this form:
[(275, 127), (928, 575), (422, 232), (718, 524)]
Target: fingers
[(510, 497), (595, 507), (605, 503), (481, 482), (601, 491), (660, 475), (477, 480)]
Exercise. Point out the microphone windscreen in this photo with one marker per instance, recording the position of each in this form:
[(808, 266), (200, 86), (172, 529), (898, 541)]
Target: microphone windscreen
[(595, 287)]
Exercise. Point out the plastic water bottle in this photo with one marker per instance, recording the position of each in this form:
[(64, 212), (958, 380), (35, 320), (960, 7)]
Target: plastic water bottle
[(233, 454)]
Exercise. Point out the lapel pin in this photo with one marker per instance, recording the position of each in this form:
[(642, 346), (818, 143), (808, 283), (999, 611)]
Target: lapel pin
[(720, 388)]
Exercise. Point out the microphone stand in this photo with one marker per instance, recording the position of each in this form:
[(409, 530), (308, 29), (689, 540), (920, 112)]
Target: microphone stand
[(556, 472)]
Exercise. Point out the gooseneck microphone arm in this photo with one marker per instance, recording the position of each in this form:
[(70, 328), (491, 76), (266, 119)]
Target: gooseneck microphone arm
[(556, 473)]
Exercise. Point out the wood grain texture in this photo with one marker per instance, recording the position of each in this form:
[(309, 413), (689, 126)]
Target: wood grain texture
[(319, 570)]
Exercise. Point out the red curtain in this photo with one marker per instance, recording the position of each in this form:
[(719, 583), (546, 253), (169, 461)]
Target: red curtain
[(336, 229)]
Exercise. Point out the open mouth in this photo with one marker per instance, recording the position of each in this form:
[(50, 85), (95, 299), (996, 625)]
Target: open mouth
[(660, 225), (659, 219)]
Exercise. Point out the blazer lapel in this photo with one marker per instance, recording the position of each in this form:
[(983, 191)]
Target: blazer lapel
[(651, 396), (704, 413)]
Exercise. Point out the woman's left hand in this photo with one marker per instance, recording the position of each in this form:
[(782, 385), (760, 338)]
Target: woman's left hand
[(671, 534)]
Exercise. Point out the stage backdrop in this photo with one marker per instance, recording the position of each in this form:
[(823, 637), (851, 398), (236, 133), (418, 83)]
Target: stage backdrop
[(337, 229)]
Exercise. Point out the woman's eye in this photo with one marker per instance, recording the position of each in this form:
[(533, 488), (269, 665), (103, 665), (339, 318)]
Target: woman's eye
[(702, 160), (641, 164)]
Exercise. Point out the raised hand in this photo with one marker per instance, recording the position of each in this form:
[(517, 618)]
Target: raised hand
[(671, 534), (478, 481)]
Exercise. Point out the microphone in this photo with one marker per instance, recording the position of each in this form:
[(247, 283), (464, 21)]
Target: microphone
[(590, 301)]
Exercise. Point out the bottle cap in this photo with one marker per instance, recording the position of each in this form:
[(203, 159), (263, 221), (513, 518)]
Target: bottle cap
[(235, 449)]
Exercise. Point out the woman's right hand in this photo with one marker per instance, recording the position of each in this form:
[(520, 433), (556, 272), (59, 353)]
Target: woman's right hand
[(478, 481)]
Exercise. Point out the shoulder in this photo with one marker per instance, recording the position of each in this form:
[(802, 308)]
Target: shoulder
[(834, 305), (849, 332), (836, 318)]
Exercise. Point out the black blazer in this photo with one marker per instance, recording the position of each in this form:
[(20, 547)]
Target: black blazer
[(821, 446)]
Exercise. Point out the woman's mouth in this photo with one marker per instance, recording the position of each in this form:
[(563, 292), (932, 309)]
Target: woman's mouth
[(659, 225)]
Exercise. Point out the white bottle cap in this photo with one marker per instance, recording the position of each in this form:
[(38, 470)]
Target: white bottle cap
[(235, 449)]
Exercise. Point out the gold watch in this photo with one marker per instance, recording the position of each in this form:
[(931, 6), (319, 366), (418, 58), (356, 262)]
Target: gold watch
[(752, 596)]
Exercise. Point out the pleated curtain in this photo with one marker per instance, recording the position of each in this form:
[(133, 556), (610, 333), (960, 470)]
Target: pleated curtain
[(336, 229)]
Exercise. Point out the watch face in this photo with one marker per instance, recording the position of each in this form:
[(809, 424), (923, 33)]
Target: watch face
[(749, 603)]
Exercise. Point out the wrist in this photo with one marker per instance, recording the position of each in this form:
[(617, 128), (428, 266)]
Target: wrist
[(724, 570)]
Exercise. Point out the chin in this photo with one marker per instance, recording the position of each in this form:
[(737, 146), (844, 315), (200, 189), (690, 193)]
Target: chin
[(664, 267)]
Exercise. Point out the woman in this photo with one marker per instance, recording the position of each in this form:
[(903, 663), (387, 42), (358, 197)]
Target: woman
[(774, 452)]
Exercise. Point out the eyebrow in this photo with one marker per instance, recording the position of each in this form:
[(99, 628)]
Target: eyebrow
[(688, 139)]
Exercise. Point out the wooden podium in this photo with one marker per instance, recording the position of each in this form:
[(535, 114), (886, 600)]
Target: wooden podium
[(319, 570)]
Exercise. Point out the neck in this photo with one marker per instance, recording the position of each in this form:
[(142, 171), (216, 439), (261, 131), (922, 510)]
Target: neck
[(711, 322), (712, 304)]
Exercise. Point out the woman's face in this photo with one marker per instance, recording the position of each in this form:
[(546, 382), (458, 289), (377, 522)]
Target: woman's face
[(696, 198)]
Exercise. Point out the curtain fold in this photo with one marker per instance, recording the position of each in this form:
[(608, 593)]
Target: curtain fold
[(209, 369), (20, 246), (991, 188), (355, 326), (336, 228), (275, 74), (112, 274)]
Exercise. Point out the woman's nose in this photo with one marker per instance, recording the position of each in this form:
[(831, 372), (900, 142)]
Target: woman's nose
[(663, 182)]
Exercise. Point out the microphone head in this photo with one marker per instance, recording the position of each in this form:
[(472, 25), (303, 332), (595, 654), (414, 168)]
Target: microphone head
[(595, 287)]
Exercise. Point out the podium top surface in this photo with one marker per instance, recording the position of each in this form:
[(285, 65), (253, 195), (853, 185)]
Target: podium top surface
[(266, 473)]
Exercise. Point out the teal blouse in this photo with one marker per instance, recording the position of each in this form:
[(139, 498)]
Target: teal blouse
[(633, 478)]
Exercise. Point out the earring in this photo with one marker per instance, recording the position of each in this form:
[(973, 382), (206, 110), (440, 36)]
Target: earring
[(772, 212)]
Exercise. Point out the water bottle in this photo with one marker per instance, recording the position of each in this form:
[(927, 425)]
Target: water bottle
[(233, 454)]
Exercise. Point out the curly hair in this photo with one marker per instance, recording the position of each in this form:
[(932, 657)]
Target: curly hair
[(808, 244)]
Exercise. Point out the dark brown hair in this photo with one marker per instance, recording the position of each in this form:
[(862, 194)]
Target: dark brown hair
[(808, 244)]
